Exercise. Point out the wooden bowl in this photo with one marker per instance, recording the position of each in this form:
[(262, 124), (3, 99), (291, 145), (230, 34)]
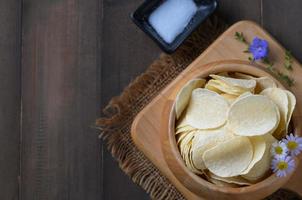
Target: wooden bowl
[(200, 186)]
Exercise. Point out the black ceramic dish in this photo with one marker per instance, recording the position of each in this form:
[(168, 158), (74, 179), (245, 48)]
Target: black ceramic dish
[(141, 15)]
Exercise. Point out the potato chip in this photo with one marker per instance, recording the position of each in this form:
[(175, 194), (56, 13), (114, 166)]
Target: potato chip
[(226, 74), (220, 87), (180, 136), (291, 107), (212, 87), (206, 110), (243, 95), (261, 168), (182, 125), (233, 180), (229, 158), (184, 129), (181, 122), (280, 98), (259, 147), (240, 83), (243, 76), (222, 183), (183, 97), (185, 148), (186, 151), (253, 115), (204, 140), (184, 139), (191, 165), (229, 97), (262, 82)]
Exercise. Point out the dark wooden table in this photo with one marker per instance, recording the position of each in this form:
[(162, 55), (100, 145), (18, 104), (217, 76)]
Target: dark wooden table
[(60, 62)]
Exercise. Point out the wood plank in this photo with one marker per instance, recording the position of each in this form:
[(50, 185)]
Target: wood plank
[(61, 156), (126, 52), (226, 47), (235, 10), (282, 19), (10, 51)]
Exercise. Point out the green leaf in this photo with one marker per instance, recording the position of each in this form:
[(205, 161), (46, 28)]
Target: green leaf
[(290, 81), (281, 76), (267, 62), (246, 51), (240, 37), (288, 60)]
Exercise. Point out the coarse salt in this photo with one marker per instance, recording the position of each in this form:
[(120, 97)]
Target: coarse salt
[(171, 18)]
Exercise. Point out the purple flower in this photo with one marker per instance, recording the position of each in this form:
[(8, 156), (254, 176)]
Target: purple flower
[(259, 48), (294, 144), (282, 166), (279, 149)]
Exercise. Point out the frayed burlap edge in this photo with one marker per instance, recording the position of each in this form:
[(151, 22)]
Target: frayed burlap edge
[(121, 111)]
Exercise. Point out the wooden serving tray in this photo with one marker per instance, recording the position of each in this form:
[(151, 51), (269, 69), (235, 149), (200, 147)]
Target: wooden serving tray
[(146, 127)]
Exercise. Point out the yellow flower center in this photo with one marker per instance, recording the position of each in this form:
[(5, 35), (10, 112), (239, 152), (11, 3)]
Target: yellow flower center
[(278, 150), (292, 145), (282, 165)]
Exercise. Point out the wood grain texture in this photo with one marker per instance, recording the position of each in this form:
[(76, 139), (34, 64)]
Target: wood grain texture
[(10, 52), (283, 20), (61, 153), (146, 129), (235, 10), (126, 52)]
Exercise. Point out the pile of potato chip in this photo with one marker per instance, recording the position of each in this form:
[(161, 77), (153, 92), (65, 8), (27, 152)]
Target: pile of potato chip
[(227, 124)]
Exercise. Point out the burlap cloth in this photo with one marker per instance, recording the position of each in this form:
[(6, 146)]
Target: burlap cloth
[(121, 111)]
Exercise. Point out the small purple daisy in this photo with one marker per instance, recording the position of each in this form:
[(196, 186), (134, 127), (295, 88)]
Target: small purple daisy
[(294, 144), (279, 149), (259, 48), (282, 166)]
